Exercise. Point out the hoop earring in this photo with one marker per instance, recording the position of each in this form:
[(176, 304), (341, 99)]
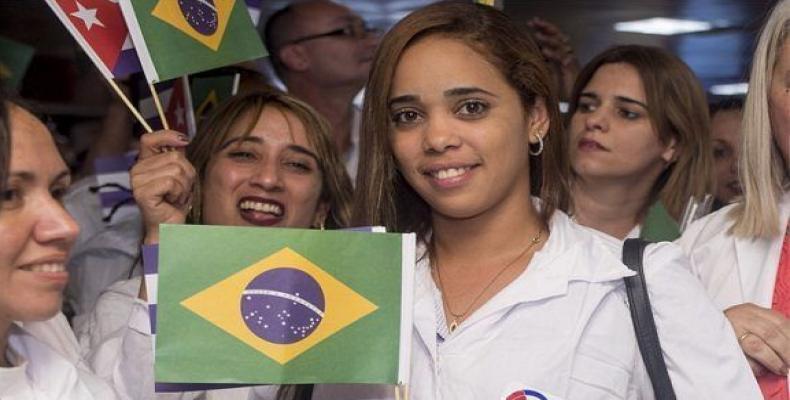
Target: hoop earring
[(540, 147)]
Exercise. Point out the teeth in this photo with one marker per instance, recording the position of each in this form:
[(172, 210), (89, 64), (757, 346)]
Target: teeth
[(268, 208), (49, 267), (450, 172)]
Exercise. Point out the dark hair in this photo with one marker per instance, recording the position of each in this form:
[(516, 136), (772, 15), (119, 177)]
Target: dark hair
[(383, 195), (729, 103), (677, 108)]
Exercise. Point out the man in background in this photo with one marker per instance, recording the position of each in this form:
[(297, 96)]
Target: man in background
[(322, 51)]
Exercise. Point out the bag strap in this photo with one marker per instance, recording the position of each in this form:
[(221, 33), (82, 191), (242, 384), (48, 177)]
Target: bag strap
[(642, 318)]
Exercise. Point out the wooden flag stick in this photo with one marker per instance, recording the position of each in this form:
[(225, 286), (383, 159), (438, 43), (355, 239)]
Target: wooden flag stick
[(129, 105), (158, 106), (397, 392)]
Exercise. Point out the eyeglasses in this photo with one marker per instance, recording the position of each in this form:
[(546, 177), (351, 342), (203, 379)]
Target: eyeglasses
[(356, 29)]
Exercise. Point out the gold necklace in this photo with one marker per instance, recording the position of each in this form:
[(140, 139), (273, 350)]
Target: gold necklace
[(457, 318)]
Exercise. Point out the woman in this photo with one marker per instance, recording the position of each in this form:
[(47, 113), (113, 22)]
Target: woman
[(725, 129), (742, 252), (512, 297), (638, 137), (262, 159), (39, 356)]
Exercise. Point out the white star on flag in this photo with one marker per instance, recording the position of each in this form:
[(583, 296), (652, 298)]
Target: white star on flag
[(87, 15)]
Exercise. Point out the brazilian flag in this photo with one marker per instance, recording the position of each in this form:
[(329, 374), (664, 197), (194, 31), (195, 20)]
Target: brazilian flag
[(180, 37), (241, 305)]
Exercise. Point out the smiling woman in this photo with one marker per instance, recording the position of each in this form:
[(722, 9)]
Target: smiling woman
[(262, 159), (39, 356), (512, 298)]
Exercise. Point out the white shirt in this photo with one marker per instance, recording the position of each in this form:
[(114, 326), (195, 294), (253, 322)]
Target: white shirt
[(735, 270), (104, 252), (563, 329), (47, 365), (117, 343)]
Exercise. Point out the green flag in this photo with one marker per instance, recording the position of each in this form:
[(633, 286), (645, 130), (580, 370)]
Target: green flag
[(658, 225), (240, 305), (209, 90), (15, 57), (175, 38)]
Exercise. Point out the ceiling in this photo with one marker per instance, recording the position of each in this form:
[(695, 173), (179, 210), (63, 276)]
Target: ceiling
[(721, 56)]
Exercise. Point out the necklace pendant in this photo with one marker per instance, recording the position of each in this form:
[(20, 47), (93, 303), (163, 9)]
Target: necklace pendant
[(453, 326)]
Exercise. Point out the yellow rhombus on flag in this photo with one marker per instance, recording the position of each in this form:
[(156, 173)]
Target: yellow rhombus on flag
[(246, 313), (200, 20)]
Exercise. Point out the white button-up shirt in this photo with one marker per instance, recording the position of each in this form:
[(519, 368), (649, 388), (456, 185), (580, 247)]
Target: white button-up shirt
[(47, 365), (563, 329)]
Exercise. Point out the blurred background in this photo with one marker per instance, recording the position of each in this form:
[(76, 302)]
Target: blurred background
[(715, 37)]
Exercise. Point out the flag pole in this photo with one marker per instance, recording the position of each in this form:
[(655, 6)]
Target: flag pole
[(158, 106), (128, 104)]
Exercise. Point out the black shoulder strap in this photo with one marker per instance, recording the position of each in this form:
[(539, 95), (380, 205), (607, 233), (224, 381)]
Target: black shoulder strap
[(642, 318)]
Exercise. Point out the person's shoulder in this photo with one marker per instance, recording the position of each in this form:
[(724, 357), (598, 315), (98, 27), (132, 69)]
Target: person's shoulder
[(712, 226)]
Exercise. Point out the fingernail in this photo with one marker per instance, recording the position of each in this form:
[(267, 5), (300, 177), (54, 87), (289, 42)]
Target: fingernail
[(183, 138)]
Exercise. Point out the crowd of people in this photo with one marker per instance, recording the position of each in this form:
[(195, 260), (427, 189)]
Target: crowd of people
[(521, 213)]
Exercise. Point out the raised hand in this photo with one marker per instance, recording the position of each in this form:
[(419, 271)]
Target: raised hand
[(162, 181)]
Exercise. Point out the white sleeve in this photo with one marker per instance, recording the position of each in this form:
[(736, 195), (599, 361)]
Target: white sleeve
[(116, 341), (699, 345)]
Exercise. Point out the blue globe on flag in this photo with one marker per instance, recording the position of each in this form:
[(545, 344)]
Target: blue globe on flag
[(201, 15), (283, 305)]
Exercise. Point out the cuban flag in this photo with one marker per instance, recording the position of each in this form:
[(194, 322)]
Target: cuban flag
[(99, 28), (176, 103)]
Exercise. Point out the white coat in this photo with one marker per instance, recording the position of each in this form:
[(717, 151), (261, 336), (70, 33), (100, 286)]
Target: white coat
[(47, 365), (562, 329), (734, 270)]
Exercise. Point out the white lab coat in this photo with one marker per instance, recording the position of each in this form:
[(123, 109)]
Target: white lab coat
[(117, 343), (734, 270), (48, 365), (563, 329)]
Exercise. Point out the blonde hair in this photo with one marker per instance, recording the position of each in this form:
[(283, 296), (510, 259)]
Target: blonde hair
[(383, 196), (678, 110), (761, 167), (336, 187)]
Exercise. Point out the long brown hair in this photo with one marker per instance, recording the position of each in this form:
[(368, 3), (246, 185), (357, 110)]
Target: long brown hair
[(383, 195), (678, 110), (336, 185)]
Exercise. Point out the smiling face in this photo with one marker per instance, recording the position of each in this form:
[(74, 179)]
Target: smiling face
[(726, 134), (36, 232), (459, 131), (267, 178), (612, 137)]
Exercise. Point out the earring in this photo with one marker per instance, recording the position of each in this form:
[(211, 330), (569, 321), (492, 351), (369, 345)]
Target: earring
[(540, 146)]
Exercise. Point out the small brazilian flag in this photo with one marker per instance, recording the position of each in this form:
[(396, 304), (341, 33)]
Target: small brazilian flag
[(180, 37), (241, 305)]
